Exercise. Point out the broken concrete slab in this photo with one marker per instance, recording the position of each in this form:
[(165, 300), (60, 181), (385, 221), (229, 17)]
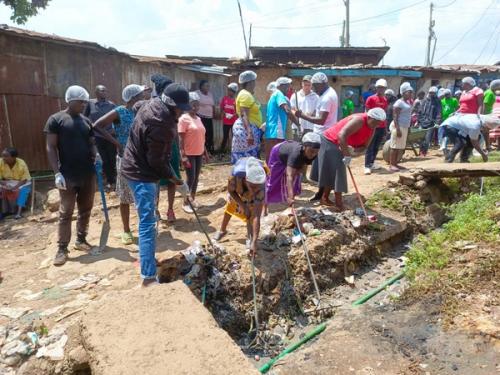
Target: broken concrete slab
[(161, 329), (458, 170)]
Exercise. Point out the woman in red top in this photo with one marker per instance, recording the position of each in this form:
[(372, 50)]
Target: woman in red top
[(471, 100), (349, 136), (228, 110)]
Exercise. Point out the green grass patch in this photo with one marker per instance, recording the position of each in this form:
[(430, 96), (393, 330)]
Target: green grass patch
[(474, 219), (394, 200), (492, 157)]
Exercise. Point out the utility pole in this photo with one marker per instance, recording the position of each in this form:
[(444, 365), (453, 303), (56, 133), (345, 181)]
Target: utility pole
[(347, 40), (430, 37), (342, 37), (243, 28)]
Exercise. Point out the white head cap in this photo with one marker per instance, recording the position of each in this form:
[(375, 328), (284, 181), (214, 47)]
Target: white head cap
[(433, 89), (131, 91), (458, 92), (194, 97), (247, 76), (495, 84), (390, 92), (490, 121), (233, 87), (312, 137), (76, 93), (405, 86), (271, 87), (349, 94), (381, 83), (446, 92), (469, 80), (283, 81), (377, 114), (254, 171), (319, 77)]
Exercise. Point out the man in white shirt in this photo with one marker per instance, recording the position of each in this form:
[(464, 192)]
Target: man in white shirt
[(306, 101), (325, 116)]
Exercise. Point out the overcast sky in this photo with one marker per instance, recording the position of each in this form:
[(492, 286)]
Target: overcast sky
[(467, 31)]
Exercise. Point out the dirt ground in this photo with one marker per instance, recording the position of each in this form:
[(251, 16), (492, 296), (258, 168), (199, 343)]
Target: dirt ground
[(26, 269)]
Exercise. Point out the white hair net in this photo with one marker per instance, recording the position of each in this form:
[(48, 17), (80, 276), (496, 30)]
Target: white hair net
[(446, 92), (377, 114), (233, 86), (283, 81), (76, 93), (458, 92), (495, 84), (254, 171), (405, 86), (194, 97), (130, 91), (319, 77), (471, 81), (381, 83), (433, 89), (490, 121), (247, 76), (311, 137), (390, 92), (271, 87), (349, 94)]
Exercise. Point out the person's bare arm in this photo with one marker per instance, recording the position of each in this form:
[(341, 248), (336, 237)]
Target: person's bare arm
[(397, 112), (52, 152), (480, 104), (103, 122), (320, 119), (257, 213), (290, 115), (93, 149), (291, 173), (350, 128)]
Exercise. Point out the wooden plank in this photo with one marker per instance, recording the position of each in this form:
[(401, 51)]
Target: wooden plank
[(459, 170)]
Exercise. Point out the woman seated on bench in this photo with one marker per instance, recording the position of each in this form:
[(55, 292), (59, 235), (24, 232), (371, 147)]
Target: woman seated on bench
[(15, 183)]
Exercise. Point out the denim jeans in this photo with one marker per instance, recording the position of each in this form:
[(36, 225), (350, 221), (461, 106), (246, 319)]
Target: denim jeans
[(429, 137), (460, 144), (372, 150), (145, 195), (442, 138)]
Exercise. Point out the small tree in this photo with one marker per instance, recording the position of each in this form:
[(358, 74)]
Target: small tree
[(24, 9)]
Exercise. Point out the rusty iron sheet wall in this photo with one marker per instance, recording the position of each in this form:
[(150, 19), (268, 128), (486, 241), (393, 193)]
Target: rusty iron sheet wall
[(35, 74)]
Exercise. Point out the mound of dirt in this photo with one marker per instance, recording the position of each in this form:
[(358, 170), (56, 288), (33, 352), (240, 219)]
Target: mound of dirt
[(158, 330)]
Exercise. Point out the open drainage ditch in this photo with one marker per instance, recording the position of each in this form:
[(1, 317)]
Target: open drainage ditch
[(285, 293)]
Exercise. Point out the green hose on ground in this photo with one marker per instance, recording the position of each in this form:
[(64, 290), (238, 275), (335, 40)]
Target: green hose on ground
[(373, 292), (316, 331)]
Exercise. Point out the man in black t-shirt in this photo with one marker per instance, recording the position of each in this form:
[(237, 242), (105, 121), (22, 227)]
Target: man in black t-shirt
[(71, 151), (95, 109)]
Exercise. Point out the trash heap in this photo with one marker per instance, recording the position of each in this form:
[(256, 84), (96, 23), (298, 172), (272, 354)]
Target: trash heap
[(196, 267)]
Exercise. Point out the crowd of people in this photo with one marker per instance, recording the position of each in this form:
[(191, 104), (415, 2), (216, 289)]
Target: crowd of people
[(146, 141)]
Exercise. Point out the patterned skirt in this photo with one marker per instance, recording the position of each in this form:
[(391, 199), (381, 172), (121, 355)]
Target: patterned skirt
[(122, 188), (240, 147)]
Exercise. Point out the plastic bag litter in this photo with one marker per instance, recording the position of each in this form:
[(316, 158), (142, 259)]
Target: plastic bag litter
[(82, 281), (13, 312), (193, 251), (54, 351)]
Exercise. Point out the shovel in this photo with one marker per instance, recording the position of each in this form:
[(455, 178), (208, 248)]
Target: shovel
[(370, 218), (106, 227)]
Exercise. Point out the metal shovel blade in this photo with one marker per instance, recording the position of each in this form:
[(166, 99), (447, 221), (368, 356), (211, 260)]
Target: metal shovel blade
[(103, 241)]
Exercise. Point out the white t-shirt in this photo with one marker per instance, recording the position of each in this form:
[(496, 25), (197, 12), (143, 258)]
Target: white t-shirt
[(328, 102), (307, 104), (404, 119)]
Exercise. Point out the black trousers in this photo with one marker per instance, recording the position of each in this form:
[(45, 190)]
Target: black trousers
[(208, 123), (226, 130), (460, 144), (193, 173), (108, 155)]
